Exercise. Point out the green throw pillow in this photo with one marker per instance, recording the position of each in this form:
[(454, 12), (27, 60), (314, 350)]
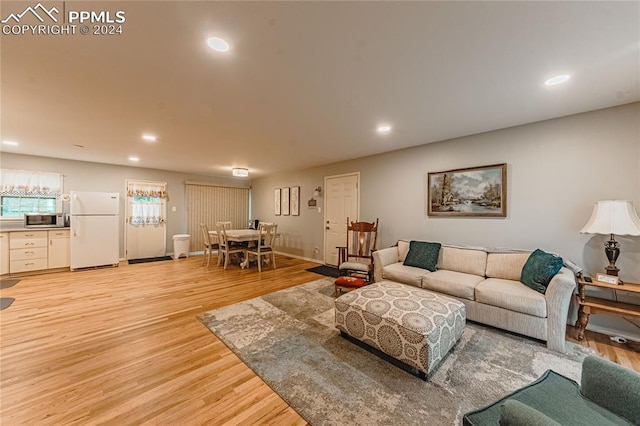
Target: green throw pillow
[(539, 270), (423, 255)]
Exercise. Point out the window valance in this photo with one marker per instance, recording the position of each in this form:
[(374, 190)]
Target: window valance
[(144, 189), (29, 183)]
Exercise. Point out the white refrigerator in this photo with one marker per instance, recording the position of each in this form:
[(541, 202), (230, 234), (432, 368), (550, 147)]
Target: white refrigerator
[(95, 229)]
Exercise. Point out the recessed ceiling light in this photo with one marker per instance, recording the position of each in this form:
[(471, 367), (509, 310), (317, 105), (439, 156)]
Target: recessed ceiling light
[(12, 143), (218, 44), (557, 80), (78, 145), (384, 128), (240, 172), (149, 138), (134, 159)]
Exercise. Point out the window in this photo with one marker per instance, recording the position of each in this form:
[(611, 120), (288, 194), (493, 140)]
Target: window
[(27, 191), (18, 206)]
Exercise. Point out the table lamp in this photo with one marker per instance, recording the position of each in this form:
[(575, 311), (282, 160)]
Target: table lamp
[(613, 217)]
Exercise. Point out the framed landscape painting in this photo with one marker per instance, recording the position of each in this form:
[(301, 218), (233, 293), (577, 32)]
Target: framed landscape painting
[(475, 191)]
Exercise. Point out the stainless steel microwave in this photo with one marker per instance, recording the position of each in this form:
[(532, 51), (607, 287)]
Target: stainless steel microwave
[(43, 220)]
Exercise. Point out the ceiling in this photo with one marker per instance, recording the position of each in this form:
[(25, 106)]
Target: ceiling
[(306, 83)]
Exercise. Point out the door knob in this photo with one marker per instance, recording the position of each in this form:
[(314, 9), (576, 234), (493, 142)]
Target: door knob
[(327, 228)]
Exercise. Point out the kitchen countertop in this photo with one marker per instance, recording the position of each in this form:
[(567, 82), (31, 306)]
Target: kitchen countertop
[(22, 228)]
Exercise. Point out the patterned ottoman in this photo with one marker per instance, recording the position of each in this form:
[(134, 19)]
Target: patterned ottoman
[(412, 325)]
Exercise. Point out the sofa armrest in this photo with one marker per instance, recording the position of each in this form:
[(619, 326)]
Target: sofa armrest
[(382, 258), (516, 413), (612, 386), (558, 297)]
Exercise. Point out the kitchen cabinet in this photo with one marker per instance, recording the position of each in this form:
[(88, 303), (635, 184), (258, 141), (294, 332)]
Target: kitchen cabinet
[(59, 249), (4, 253), (28, 251)]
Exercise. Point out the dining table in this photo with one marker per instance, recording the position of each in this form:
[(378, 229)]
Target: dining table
[(241, 236)]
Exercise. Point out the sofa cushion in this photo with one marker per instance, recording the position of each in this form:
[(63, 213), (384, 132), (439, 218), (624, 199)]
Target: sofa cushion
[(507, 266), (453, 283), (463, 260), (404, 274), (539, 269), (403, 249), (511, 295), (423, 255)]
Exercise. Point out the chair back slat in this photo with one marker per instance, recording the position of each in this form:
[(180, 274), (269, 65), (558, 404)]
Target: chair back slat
[(268, 230), (221, 230), (361, 239), (205, 234)]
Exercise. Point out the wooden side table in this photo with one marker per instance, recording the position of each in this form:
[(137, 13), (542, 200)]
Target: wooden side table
[(592, 305)]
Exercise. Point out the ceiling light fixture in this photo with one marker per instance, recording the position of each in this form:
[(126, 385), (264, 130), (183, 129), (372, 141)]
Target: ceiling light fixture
[(149, 138), (384, 128), (12, 143), (134, 159), (559, 79), (240, 172), (218, 44)]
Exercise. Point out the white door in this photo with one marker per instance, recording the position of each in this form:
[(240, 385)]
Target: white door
[(342, 200), (145, 229)]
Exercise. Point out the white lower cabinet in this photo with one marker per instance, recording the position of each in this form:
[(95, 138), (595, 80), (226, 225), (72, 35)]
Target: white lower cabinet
[(36, 250), (4, 253), (59, 249), (28, 251)]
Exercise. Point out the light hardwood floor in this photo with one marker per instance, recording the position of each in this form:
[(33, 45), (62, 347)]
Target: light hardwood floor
[(123, 346)]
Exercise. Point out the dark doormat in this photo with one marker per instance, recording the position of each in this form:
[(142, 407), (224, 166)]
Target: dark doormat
[(5, 302), (327, 271), (8, 283), (149, 259)]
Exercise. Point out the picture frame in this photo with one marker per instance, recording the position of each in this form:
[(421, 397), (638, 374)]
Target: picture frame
[(295, 201), (285, 201), (470, 192), (276, 202)]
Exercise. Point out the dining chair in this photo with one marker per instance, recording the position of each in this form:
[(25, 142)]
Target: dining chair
[(225, 248), (208, 244), (264, 246)]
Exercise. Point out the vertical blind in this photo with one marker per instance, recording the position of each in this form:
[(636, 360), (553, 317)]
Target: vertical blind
[(209, 204)]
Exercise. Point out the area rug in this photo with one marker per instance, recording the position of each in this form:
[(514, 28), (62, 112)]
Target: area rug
[(8, 282), (289, 340), (5, 302), (327, 271), (149, 259)]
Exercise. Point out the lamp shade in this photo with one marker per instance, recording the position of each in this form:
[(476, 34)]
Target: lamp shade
[(613, 217)]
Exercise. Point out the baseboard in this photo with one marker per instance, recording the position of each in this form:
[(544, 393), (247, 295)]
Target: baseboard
[(308, 259)]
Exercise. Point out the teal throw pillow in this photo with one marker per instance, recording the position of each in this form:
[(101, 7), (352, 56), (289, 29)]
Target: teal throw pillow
[(539, 269), (423, 255)]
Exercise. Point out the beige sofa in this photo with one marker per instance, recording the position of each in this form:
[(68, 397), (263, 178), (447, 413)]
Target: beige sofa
[(488, 283)]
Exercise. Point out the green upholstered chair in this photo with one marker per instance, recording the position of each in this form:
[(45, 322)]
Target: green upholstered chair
[(609, 395)]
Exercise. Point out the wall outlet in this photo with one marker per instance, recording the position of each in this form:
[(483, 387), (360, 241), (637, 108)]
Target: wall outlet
[(319, 209), (173, 209)]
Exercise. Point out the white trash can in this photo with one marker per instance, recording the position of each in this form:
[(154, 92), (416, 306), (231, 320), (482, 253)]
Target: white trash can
[(181, 245)]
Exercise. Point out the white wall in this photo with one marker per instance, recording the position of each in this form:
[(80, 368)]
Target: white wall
[(85, 176), (557, 169)]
